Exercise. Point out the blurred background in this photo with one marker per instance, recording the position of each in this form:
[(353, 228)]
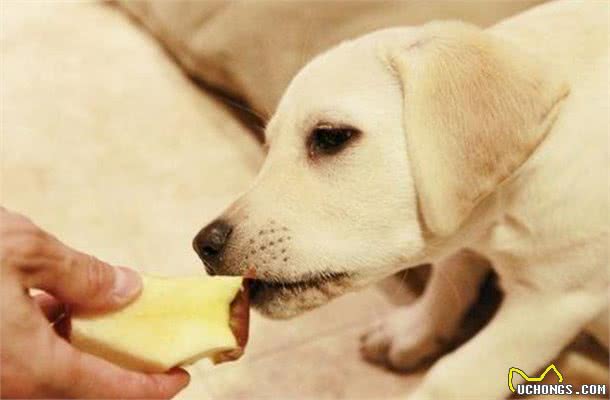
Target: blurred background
[(127, 126)]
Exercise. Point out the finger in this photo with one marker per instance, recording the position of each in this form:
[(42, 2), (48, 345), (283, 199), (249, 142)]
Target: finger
[(80, 375), (50, 306), (43, 262), (79, 279)]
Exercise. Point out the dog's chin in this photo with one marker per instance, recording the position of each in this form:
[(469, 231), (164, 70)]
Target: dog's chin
[(286, 299)]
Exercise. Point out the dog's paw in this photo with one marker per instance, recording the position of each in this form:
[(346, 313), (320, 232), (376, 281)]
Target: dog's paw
[(405, 340)]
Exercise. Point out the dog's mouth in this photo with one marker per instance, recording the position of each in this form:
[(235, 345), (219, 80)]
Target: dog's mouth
[(307, 292), (315, 281)]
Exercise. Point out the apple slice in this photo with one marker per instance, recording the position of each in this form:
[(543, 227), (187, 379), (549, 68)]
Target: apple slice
[(174, 322)]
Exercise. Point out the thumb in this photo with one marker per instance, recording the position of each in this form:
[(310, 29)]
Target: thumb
[(80, 375), (79, 279)]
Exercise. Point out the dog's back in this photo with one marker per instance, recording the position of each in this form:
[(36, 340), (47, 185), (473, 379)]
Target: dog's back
[(569, 171), (562, 190), (571, 33)]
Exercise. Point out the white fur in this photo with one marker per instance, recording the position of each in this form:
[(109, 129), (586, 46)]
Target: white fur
[(413, 188)]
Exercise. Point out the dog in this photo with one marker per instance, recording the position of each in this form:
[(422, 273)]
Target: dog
[(443, 144)]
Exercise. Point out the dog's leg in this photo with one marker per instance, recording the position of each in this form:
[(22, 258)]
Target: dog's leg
[(528, 331), (416, 333)]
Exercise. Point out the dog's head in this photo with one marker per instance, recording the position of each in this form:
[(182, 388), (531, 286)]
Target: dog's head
[(377, 148)]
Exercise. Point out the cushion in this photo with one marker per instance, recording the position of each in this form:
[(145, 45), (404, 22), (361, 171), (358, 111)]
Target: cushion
[(251, 49)]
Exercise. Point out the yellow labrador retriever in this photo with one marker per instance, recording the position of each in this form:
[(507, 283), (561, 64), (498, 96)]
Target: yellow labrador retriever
[(441, 144)]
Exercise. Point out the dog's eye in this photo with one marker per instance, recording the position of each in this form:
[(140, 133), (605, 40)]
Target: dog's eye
[(328, 140)]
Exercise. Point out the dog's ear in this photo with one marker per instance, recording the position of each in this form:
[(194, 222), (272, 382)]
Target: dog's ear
[(475, 108)]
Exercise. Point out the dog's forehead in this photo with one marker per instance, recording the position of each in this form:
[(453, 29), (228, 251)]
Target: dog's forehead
[(350, 74), (350, 67), (343, 81), (352, 64)]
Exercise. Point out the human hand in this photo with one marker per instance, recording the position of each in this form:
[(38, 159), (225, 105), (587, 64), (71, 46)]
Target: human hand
[(35, 361)]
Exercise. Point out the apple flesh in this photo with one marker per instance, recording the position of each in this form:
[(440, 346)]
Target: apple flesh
[(174, 322)]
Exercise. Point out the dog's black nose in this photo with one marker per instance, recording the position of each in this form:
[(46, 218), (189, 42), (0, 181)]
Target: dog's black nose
[(210, 243)]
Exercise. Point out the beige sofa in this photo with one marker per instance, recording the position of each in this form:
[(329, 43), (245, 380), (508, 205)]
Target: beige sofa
[(107, 144)]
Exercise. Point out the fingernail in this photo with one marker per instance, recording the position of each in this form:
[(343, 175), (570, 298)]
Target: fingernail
[(127, 283)]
